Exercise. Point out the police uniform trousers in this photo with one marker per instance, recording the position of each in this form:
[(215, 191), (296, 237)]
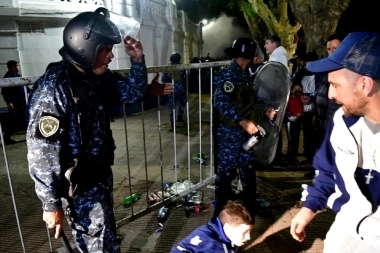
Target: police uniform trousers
[(180, 97), (231, 156), (90, 214)]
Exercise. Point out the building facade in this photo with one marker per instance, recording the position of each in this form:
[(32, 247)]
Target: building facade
[(31, 31)]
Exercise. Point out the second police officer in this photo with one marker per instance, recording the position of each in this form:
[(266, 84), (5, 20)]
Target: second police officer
[(179, 94), (237, 113)]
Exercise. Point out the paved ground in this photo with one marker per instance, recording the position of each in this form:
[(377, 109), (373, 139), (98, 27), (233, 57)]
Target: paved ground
[(163, 150)]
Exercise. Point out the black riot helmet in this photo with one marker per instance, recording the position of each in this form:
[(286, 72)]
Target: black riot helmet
[(175, 58), (85, 33), (242, 47)]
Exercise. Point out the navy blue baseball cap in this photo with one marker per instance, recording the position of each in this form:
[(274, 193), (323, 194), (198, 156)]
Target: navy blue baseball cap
[(358, 52)]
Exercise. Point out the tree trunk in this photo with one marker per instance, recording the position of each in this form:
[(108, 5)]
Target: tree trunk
[(256, 27), (319, 19), (281, 26)]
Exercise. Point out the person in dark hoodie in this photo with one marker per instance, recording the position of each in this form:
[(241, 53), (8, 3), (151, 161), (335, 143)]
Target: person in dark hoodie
[(307, 80), (225, 233), (15, 99)]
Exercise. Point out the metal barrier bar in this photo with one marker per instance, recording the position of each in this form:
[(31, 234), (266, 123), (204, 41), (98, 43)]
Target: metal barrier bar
[(160, 145), (128, 164), (30, 80), (211, 121), (188, 127), (145, 157), (11, 188), (200, 124)]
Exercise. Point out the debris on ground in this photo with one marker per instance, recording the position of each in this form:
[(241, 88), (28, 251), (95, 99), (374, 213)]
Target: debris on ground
[(200, 157), (196, 209), (179, 187), (193, 198), (131, 199), (162, 214), (160, 229)]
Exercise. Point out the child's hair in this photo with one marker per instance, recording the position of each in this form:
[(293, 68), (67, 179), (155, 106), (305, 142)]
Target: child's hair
[(235, 214), (296, 87)]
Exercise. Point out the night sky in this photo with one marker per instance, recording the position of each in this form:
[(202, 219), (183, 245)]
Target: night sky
[(361, 15)]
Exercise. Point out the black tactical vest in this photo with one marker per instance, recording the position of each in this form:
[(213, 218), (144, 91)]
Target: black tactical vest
[(243, 98)]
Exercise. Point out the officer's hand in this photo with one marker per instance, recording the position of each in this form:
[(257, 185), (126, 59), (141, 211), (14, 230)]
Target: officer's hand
[(54, 220), (133, 48), (10, 107), (271, 113), (158, 89), (305, 99), (249, 126), (299, 222)]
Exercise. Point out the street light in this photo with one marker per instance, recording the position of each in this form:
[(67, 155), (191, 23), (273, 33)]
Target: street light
[(200, 35)]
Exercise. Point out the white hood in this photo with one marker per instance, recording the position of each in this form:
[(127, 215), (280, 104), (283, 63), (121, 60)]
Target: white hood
[(279, 55)]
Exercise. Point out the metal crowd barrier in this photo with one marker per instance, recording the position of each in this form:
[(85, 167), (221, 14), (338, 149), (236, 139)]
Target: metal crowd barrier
[(203, 180)]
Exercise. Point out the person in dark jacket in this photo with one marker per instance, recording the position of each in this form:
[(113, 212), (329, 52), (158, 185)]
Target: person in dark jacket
[(15, 99), (307, 80), (69, 139), (225, 233), (325, 107), (179, 95)]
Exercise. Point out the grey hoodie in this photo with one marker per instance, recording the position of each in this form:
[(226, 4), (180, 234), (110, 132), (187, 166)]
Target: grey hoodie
[(279, 55)]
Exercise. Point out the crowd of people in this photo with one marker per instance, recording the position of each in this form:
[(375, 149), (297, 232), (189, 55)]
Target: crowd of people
[(309, 108), (334, 101)]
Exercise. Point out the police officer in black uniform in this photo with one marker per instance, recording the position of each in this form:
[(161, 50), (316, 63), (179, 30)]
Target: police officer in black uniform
[(70, 143)]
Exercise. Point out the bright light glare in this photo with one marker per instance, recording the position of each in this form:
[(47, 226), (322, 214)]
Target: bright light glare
[(204, 21)]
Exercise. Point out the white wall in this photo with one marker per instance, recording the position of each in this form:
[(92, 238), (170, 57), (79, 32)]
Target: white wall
[(164, 30), (37, 50)]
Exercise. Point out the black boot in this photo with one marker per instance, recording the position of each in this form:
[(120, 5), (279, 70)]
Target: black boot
[(223, 190), (180, 119)]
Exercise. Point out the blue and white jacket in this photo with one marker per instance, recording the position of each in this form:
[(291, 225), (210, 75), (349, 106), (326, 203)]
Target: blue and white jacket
[(340, 182), (205, 239)]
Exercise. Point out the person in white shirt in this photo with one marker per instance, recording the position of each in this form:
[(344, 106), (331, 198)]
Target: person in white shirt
[(275, 51)]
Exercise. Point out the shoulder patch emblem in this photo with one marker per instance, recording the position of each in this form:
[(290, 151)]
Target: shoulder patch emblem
[(48, 126), (228, 87), (195, 241)]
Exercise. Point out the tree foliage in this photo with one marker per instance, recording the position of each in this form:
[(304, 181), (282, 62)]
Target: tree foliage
[(284, 18)]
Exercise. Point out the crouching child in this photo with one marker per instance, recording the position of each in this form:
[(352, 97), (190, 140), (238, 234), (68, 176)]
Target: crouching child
[(222, 234)]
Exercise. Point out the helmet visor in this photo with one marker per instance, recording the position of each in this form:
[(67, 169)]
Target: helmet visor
[(114, 27), (126, 26)]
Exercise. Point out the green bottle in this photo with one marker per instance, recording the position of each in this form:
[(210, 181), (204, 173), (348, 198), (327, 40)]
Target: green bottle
[(131, 199)]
